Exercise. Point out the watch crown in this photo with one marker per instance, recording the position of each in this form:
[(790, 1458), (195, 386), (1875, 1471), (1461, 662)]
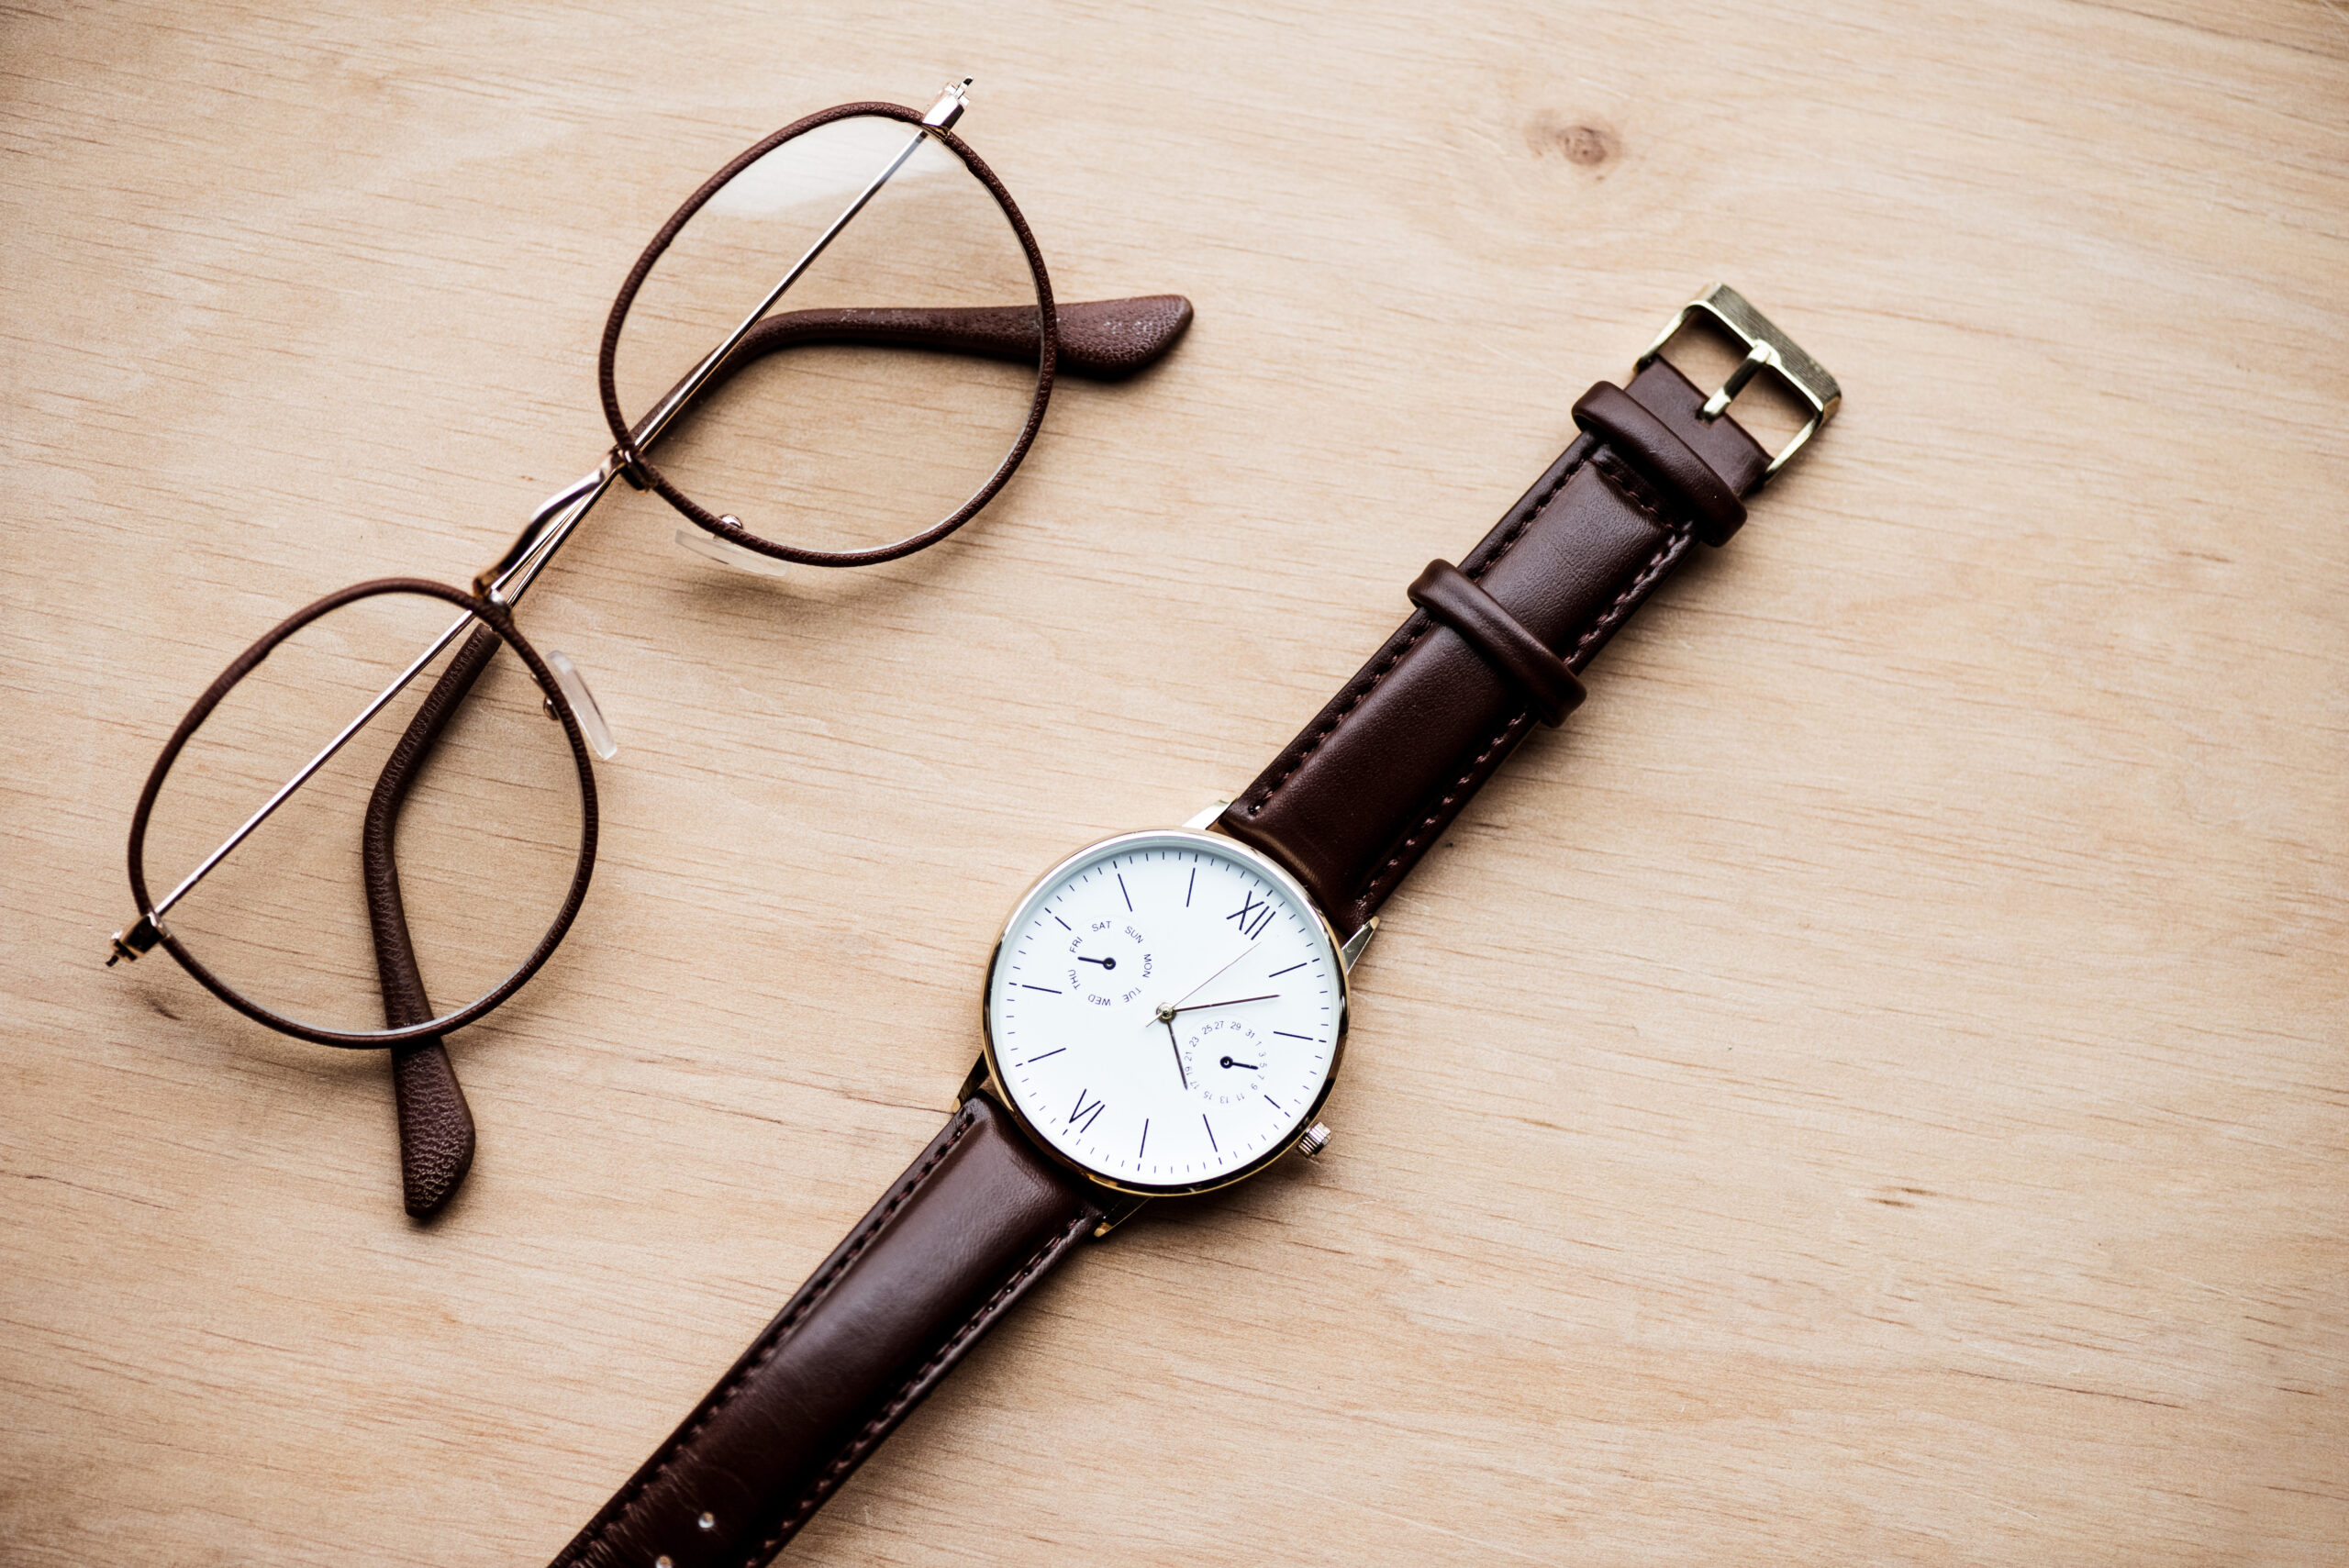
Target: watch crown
[(1314, 1140)]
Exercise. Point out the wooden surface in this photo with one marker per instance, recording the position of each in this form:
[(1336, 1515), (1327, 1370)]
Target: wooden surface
[(1872, 1088)]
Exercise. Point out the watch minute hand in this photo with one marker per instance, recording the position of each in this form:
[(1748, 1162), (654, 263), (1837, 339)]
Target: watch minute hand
[(1165, 1010), (1233, 1002)]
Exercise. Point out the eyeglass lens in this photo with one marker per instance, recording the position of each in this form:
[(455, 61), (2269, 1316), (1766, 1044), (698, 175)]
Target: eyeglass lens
[(835, 429), (467, 847)]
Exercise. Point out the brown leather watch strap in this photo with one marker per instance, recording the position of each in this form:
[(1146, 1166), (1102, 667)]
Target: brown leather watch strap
[(969, 1227), (1446, 593), (1354, 802)]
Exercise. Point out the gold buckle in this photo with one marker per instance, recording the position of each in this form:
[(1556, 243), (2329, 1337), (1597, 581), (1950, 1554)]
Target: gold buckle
[(1766, 349)]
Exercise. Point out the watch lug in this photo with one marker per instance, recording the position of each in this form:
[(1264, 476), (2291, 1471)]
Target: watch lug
[(1199, 821), (1352, 950), (973, 1082), (1120, 1207), (1117, 1208)]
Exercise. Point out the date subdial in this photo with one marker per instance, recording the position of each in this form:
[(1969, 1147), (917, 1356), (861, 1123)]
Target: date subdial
[(1109, 961), (1225, 1060)]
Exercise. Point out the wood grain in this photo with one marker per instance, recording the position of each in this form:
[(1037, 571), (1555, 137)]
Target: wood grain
[(1872, 1088)]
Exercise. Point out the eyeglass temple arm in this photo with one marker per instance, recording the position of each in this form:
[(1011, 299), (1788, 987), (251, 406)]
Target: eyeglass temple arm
[(436, 1125), (1106, 339)]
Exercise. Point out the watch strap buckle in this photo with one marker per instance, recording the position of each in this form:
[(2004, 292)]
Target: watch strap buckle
[(1766, 349)]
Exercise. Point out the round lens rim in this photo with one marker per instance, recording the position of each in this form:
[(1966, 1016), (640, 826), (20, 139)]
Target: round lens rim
[(643, 469), (499, 621)]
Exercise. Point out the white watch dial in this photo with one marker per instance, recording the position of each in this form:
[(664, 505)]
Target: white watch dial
[(1165, 1009)]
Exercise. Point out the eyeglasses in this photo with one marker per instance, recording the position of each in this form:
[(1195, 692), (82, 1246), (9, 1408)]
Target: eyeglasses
[(416, 867)]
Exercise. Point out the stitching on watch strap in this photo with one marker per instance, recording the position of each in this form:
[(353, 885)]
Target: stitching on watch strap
[(853, 1452), (1635, 488), (1675, 544), (1633, 592), (1517, 530), (1515, 654), (1517, 723), (1353, 700), (770, 1343), (1355, 694)]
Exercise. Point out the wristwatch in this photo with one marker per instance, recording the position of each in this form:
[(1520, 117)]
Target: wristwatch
[(1165, 1011)]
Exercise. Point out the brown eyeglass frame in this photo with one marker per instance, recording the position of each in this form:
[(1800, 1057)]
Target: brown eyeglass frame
[(497, 620), (1108, 341), (493, 610), (643, 473)]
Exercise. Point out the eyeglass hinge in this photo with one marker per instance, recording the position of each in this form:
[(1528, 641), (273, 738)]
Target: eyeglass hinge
[(950, 105), (140, 937)]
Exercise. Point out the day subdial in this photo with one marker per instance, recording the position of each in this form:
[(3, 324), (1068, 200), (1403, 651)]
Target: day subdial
[(1110, 963), (1225, 1060)]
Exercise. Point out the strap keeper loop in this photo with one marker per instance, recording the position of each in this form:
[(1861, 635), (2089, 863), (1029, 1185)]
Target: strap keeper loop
[(1615, 415), (1516, 655)]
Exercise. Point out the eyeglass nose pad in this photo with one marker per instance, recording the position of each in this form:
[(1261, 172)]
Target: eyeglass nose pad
[(573, 686), (726, 552)]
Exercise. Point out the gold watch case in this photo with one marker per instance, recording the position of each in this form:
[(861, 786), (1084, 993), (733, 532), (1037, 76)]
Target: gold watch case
[(989, 1074)]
